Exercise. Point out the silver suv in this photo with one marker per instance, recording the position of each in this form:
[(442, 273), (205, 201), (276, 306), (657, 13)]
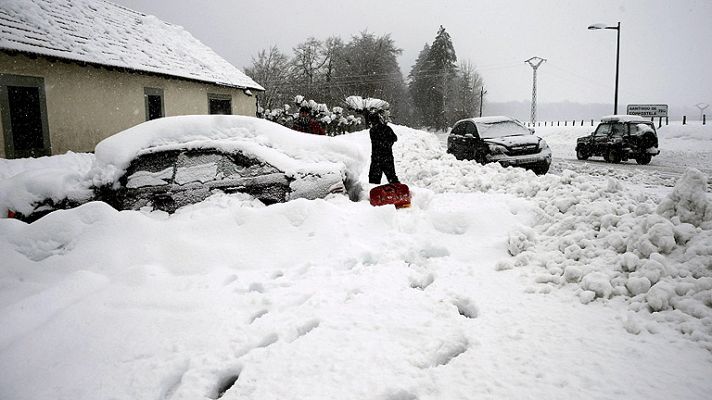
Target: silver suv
[(499, 139)]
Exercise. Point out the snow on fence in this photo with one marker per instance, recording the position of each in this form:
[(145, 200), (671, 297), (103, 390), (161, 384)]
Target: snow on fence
[(593, 122)]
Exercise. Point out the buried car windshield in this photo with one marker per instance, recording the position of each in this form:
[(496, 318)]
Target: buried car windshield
[(501, 129)]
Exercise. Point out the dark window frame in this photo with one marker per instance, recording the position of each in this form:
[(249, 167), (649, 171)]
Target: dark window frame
[(7, 80), (471, 129), (149, 91), (219, 97), (605, 130), (459, 129)]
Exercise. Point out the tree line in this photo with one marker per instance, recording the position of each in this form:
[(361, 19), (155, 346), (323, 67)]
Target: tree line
[(437, 92)]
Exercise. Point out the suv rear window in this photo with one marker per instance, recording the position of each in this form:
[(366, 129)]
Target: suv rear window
[(643, 127)]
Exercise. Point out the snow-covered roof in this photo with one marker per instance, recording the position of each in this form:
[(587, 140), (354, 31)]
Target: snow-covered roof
[(100, 32), (496, 119), (492, 119), (489, 120), (622, 118)]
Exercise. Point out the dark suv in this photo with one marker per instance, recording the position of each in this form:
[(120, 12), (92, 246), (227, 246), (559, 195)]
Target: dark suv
[(619, 138)]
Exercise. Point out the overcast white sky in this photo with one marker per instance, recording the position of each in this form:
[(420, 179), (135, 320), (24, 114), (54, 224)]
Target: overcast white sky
[(666, 45)]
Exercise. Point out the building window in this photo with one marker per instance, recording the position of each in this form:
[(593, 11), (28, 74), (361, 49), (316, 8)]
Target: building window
[(154, 103), (23, 109), (219, 104)]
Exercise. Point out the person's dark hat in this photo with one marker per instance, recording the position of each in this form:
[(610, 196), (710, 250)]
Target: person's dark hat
[(304, 109), (374, 118)]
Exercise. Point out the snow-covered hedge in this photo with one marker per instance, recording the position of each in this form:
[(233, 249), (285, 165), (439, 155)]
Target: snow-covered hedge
[(334, 121)]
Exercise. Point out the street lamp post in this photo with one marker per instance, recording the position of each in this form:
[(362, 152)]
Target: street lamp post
[(618, 54), (702, 107)]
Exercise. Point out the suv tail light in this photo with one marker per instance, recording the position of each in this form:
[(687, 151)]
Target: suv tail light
[(11, 214)]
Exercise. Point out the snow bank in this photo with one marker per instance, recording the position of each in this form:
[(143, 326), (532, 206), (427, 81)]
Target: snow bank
[(25, 181), (593, 236), (23, 192), (78, 162)]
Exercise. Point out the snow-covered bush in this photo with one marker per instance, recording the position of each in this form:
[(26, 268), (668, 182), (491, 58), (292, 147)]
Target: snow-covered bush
[(333, 121)]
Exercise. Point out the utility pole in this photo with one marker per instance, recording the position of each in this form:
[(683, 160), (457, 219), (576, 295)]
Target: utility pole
[(482, 98), (534, 62), (702, 107)]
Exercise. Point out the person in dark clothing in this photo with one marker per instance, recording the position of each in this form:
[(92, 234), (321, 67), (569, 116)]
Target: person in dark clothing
[(382, 139), (307, 123)]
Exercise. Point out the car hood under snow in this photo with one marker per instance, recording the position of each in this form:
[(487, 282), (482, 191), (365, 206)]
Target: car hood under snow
[(513, 141)]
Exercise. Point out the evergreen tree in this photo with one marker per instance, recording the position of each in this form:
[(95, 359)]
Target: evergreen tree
[(442, 92), (368, 67), (419, 86), (443, 70)]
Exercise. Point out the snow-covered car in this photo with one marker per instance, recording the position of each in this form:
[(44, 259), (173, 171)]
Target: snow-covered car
[(172, 162), (499, 139), (619, 138)]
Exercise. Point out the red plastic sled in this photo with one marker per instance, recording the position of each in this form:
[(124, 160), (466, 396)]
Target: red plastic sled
[(397, 194)]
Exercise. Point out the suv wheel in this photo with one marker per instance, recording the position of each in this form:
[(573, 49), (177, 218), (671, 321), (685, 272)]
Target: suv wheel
[(643, 159), (541, 168), (581, 154), (614, 156), (647, 141)]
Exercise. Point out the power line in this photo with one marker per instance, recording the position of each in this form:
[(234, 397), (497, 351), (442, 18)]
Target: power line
[(579, 77)]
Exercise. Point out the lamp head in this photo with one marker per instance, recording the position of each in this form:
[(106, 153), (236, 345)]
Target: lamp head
[(597, 26)]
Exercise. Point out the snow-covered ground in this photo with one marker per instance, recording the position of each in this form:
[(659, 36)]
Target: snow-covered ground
[(496, 283)]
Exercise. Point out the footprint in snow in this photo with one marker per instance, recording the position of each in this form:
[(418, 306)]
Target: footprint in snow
[(258, 315), (466, 307), (224, 383), (256, 287), (268, 340), (421, 282), (400, 394), (307, 327)]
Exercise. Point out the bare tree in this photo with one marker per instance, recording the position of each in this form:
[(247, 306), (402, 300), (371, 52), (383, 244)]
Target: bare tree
[(307, 66), (270, 69), (465, 89), (332, 50)]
